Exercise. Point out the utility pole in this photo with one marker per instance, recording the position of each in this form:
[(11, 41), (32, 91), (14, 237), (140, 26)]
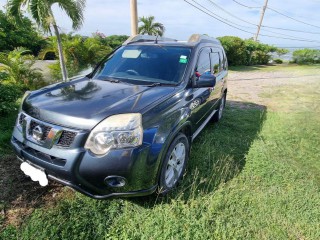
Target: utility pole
[(134, 17), (261, 19)]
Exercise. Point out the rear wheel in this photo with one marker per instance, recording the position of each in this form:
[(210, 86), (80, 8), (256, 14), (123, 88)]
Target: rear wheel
[(218, 115), (174, 163)]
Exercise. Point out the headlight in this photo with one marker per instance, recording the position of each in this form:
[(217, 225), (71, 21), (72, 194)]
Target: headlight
[(118, 131)]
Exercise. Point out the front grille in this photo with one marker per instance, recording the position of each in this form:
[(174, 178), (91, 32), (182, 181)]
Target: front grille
[(45, 129), (66, 138), (49, 132), (40, 155)]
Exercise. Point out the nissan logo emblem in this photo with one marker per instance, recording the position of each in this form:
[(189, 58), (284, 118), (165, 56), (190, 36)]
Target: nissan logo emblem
[(37, 133)]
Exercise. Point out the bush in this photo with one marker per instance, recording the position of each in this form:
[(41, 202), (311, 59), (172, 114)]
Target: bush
[(278, 61), (17, 67), (235, 50), (9, 94), (80, 53), (246, 52), (306, 56)]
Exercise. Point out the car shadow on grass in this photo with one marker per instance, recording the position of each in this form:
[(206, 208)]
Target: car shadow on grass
[(218, 154)]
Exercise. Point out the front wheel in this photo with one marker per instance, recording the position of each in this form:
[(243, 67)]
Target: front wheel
[(174, 163), (218, 115)]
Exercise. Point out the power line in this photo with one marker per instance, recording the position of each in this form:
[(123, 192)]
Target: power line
[(277, 11), (292, 18), (244, 5), (213, 3), (229, 13), (212, 15), (283, 29), (290, 30)]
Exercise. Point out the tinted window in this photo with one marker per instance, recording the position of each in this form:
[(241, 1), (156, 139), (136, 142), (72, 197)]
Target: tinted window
[(225, 62), (203, 65), (146, 64), (215, 62)]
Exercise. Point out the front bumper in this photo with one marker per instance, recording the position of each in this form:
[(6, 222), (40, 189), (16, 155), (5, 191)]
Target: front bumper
[(77, 168)]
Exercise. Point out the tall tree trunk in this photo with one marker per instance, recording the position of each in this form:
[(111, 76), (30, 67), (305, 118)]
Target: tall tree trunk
[(61, 57)]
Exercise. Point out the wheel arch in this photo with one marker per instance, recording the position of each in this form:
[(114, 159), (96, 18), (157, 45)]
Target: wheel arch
[(186, 129)]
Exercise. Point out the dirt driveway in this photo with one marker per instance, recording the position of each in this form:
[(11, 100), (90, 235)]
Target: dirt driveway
[(254, 84)]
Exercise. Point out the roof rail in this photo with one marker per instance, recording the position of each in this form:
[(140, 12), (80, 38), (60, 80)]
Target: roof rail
[(195, 38), (147, 38)]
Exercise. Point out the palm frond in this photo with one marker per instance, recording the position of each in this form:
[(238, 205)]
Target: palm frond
[(74, 9), (14, 9)]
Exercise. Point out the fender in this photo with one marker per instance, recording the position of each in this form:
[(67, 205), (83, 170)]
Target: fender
[(166, 145)]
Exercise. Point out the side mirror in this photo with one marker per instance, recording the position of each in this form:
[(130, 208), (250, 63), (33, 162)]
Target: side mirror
[(206, 80)]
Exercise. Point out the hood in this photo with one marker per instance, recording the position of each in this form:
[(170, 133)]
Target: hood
[(85, 102)]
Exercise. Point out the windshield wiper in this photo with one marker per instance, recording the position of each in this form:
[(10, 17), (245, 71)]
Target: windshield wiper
[(112, 80), (160, 84)]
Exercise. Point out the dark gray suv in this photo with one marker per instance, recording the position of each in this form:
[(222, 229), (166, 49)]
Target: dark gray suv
[(126, 128)]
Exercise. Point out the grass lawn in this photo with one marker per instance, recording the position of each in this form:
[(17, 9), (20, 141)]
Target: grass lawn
[(255, 175)]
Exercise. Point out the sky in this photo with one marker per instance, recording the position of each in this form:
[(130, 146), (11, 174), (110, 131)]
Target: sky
[(182, 19)]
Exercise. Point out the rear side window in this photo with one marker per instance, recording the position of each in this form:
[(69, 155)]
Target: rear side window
[(203, 65), (215, 62), (223, 60)]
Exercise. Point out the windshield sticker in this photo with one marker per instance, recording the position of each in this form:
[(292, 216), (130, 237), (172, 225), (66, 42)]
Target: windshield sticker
[(183, 59), (128, 53)]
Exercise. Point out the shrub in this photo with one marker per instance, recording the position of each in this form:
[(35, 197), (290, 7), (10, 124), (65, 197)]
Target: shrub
[(17, 68), (235, 50), (278, 61), (306, 56), (9, 94), (80, 53), (246, 52)]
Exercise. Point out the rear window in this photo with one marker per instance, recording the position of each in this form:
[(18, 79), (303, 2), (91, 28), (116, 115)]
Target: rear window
[(164, 64)]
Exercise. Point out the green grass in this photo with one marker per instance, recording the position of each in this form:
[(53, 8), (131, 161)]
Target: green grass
[(255, 175)]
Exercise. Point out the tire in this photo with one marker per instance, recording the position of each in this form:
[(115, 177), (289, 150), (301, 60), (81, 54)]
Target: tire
[(218, 115), (174, 164)]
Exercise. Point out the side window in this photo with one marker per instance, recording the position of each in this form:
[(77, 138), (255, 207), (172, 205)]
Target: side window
[(225, 61), (215, 62), (203, 65)]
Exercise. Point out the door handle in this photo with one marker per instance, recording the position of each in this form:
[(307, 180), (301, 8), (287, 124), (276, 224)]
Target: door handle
[(188, 98)]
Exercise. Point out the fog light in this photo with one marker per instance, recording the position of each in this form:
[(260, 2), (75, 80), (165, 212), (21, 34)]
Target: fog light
[(115, 181)]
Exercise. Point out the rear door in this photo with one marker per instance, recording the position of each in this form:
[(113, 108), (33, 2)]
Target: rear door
[(219, 70)]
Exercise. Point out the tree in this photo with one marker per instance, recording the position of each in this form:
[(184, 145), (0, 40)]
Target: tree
[(113, 41), (41, 12), (150, 27), (13, 35), (80, 53), (235, 50), (281, 51)]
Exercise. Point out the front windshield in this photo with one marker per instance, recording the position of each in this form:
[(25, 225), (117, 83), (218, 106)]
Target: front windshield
[(139, 64)]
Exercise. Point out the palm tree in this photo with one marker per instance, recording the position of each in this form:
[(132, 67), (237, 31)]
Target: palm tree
[(150, 27), (41, 12)]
